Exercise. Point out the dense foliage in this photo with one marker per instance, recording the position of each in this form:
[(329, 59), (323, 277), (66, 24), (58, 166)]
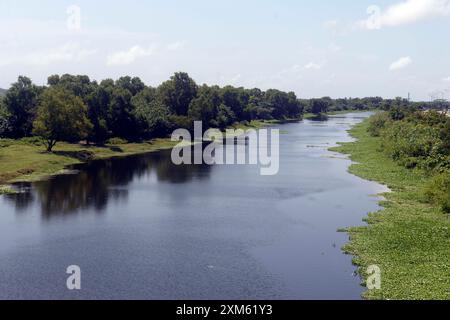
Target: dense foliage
[(419, 139), (61, 116), (437, 191), (368, 103), (130, 110)]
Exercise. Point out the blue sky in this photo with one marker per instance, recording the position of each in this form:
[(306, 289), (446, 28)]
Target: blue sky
[(315, 48)]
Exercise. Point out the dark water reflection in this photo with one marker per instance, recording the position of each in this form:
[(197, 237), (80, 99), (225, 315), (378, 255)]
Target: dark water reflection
[(143, 228), (91, 186)]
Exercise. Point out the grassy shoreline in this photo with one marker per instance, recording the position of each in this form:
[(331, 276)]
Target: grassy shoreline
[(22, 162), (409, 239), (25, 162)]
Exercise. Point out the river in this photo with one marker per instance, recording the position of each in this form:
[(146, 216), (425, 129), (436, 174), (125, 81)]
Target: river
[(142, 228)]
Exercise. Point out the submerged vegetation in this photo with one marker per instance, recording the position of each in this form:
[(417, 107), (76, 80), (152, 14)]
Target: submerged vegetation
[(410, 239)]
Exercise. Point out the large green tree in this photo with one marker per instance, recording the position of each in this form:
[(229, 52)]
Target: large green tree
[(236, 99), (61, 116), (225, 117), (178, 92), (98, 103), (79, 85), (95, 96), (278, 102), (204, 107), (21, 101), (121, 120), (134, 85), (151, 114), (294, 108), (319, 106)]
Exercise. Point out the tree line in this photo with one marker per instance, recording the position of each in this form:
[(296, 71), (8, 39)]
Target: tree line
[(74, 108), (327, 104)]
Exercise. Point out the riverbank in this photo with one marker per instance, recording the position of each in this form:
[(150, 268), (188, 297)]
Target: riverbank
[(410, 239), (23, 161), (27, 161), (311, 116)]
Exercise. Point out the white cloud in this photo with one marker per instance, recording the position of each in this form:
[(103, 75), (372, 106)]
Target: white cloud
[(313, 66), (330, 79), (69, 52), (446, 79), (338, 28), (129, 56), (296, 68), (400, 63), (236, 78), (293, 72), (334, 47), (331, 25), (406, 12), (175, 46)]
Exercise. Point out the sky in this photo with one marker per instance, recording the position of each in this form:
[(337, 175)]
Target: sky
[(330, 48)]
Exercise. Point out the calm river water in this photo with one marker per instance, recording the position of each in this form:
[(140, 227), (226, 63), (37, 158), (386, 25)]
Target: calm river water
[(142, 228)]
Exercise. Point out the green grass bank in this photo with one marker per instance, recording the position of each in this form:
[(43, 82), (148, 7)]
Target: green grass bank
[(409, 239), (22, 161), (26, 160)]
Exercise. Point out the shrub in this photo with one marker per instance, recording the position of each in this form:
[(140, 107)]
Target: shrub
[(437, 191), (180, 122), (4, 143), (116, 141), (410, 144), (377, 123), (30, 141), (34, 141)]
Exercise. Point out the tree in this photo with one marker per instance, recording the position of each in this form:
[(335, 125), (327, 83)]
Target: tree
[(96, 97), (277, 101), (134, 85), (294, 108), (255, 100), (319, 106), (204, 107), (79, 85), (236, 99), (225, 117), (151, 114), (4, 118), (128, 109), (178, 92), (98, 103), (21, 101), (264, 113), (61, 116), (121, 120)]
